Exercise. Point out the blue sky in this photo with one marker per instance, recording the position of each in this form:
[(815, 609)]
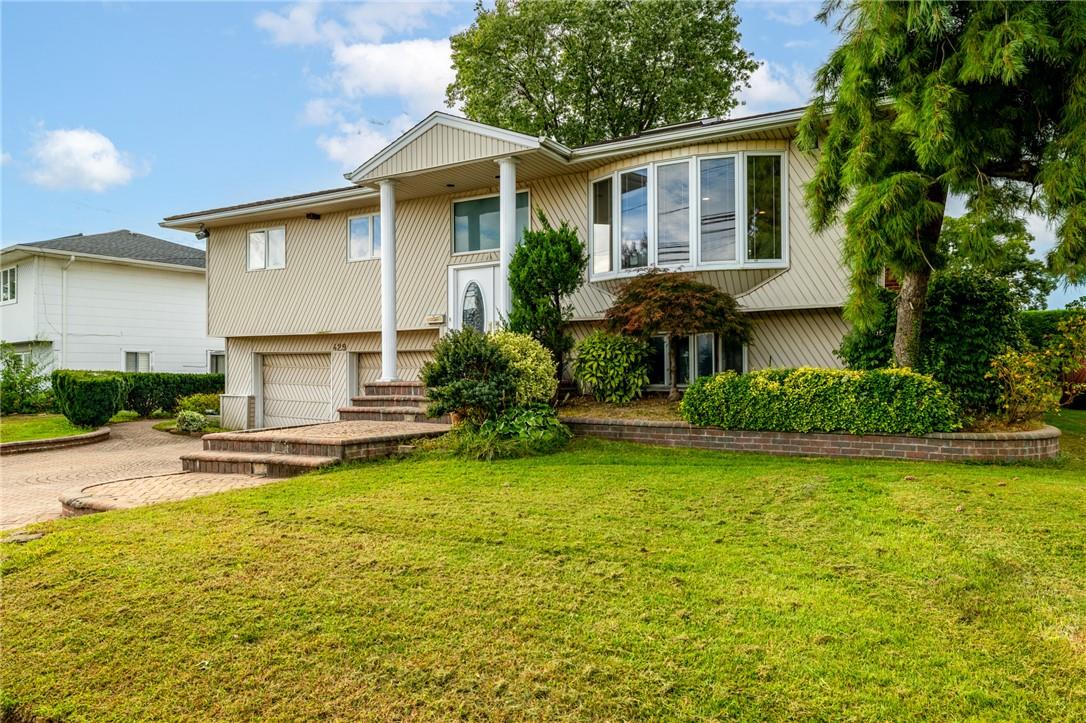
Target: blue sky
[(117, 114)]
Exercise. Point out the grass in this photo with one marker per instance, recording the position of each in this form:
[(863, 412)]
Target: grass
[(171, 424), (23, 427), (608, 581)]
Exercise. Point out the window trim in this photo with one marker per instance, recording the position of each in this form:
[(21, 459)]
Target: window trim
[(695, 264), (265, 267), (215, 352), (452, 221), (718, 358), (370, 256), (150, 359), (14, 270)]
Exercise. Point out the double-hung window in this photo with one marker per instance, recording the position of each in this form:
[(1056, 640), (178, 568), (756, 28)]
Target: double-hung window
[(477, 223), (8, 284), (267, 248), (364, 237), (725, 211), (137, 361)]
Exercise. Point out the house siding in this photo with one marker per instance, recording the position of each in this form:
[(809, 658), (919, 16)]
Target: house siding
[(443, 146)]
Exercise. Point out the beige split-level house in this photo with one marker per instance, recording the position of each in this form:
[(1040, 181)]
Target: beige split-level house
[(320, 293)]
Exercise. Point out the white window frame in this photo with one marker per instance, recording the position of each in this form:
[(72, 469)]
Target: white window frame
[(215, 352), (695, 264), (718, 357), (370, 255), (150, 358), (13, 275), (452, 221), (265, 230)]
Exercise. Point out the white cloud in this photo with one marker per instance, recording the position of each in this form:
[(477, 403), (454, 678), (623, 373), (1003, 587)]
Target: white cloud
[(799, 44), (774, 87), (320, 112), (5, 158), (356, 142), (371, 21), (78, 158), (417, 71), (297, 27), (793, 13)]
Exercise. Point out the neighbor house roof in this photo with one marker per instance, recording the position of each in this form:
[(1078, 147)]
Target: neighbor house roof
[(559, 157), (121, 245)]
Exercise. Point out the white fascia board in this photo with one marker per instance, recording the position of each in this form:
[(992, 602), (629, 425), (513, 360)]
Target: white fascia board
[(192, 222), (434, 119)]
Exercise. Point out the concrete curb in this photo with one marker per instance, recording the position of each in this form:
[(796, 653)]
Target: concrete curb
[(39, 445)]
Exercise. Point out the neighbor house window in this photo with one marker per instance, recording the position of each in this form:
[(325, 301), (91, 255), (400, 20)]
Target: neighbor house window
[(364, 237), (765, 212), (137, 361), (216, 362), (476, 223), (267, 248), (705, 212), (8, 284)]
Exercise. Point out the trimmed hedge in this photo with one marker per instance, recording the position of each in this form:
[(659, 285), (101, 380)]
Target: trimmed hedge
[(886, 401), (1037, 325), (89, 399), (149, 391)]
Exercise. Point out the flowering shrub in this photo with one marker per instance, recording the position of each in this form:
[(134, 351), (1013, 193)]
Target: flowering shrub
[(533, 366), (191, 421), (890, 401), (1035, 382)]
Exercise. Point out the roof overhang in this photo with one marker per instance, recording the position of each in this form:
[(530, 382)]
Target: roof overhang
[(18, 252), (332, 200)]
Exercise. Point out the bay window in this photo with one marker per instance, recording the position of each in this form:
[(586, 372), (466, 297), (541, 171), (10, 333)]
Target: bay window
[(476, 223), (726, 211)]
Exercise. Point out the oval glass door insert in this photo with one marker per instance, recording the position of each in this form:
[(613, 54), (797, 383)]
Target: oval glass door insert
[(474, 314)]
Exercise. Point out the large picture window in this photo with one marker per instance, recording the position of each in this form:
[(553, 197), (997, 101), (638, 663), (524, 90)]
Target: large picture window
[(725, 211), (698, 356), (477, 223), (267, 248)]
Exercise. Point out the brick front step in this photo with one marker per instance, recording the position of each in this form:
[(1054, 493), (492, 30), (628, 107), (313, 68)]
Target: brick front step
[(414, 389), (254, 463), (388, 400), (388, 414)]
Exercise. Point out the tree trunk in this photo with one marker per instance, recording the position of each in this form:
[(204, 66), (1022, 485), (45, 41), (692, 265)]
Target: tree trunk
[(910, 312), (913, 296), (673, 362)]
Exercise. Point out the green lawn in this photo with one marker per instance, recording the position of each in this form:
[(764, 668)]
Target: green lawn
[(22, 427), (610, 581)]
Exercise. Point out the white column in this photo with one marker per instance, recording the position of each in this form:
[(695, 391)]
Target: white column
[(507, 230), (388, 282)]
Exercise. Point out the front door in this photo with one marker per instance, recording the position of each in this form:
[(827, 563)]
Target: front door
[(472, 302)]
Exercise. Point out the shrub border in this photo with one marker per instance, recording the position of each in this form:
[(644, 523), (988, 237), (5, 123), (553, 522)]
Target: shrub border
[(40, 445), (1037, 444)]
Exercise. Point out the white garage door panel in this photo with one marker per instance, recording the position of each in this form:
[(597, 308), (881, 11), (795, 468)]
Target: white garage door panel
[(296, 389)]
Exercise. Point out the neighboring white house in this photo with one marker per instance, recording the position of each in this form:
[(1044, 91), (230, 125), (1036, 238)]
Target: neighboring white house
[(117, 300)]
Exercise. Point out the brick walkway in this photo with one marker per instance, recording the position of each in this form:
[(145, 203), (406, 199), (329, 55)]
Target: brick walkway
[(143, 463)]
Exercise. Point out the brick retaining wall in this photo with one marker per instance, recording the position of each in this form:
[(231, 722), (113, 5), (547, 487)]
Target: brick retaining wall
[(1036, 444), (40, 445)]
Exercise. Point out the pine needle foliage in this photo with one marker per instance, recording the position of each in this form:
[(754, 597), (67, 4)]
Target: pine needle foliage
[(929, 97)]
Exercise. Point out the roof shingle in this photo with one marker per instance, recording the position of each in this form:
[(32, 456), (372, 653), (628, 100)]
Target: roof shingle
[(125, 244)]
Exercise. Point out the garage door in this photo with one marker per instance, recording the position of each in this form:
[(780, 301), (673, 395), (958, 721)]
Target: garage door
[(296, 389)]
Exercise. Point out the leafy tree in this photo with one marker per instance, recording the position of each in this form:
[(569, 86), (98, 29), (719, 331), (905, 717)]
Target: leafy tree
[(930, 97), (546, 268), (1079, 303), (24, 389), (676, 304), (581, 71), (1006, 254)]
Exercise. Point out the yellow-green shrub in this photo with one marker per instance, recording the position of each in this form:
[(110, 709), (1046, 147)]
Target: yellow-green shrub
[(889, 401), (533, 366)]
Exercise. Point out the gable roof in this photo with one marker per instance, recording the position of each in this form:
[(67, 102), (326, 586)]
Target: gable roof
[(124, 244)]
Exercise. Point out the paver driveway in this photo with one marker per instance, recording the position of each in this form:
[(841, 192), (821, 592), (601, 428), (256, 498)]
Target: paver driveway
[(30, 484)]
